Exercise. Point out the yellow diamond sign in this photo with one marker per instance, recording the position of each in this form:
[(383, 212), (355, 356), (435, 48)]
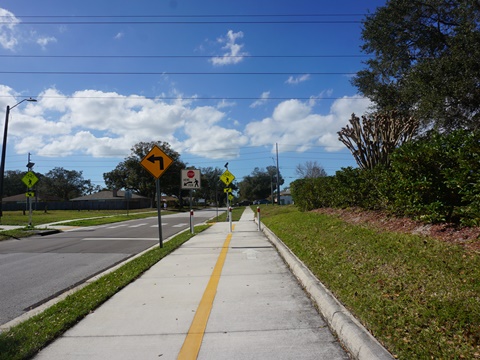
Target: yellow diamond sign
[(227, 177), (156, 162), (30, 179)]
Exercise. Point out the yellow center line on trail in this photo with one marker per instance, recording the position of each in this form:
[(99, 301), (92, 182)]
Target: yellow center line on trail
[(193, 341)]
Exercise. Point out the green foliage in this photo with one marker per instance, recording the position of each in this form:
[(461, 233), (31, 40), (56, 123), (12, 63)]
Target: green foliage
[(348, 188), (435, 179), (13, 184), (130, 174), (424, 60), (57, 183), (65, 184), (259, 184)]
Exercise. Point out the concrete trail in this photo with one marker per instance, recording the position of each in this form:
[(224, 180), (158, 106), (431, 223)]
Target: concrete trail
[(221, 295)]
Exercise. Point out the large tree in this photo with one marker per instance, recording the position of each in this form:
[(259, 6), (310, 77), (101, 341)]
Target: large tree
[(13, 184), (259, 184), (66, 184), (130, 174), (424, 60)]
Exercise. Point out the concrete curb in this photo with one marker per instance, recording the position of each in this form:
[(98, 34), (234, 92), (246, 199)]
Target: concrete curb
[(351, 333)]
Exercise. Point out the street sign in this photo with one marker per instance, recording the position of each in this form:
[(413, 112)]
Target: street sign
[(230, 197), (30, 179), (227, 190), (191, 179), (30, 194), (227, 177), (156, 162)]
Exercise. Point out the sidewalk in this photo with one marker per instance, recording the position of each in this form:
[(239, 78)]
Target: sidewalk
[(219, 296)]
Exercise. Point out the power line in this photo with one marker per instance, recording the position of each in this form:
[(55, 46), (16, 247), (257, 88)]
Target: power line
[(185, 56), (189, 15), (184, 22), (170, 73)]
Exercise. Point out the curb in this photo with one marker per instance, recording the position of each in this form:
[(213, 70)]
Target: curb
[(352, 334)]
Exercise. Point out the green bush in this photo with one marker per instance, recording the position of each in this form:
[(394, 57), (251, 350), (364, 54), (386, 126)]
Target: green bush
[(435, 179)]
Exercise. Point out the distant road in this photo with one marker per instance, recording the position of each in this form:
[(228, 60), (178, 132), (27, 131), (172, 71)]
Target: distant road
[(33, 270)]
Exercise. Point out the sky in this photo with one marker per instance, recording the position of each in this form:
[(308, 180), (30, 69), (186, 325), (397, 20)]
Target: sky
[(220, 81)]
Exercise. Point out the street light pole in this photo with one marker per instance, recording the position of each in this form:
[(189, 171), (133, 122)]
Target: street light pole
[(4, 151)]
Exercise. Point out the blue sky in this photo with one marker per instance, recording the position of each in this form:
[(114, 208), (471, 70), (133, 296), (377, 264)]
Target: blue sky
[(218, 80)]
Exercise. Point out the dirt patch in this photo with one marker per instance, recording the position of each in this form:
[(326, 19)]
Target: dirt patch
[(468, 237)]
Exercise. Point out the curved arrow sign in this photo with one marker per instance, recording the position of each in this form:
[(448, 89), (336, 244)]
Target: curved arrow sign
[(156, 162)]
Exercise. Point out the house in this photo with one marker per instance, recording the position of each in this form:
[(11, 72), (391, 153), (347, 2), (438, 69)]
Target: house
[(20, 202), (111, 200), (285, 197)]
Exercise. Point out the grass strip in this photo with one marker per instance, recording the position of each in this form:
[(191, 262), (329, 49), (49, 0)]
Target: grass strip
[(87, 220), (26, 339), (419, 296), (44, 217)]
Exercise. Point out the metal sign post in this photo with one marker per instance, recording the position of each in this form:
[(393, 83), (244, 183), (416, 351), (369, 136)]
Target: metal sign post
[(227, 177), (159, 216), (157, 162), (30, 179)]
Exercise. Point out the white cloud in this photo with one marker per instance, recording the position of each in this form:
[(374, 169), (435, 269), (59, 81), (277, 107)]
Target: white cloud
[(108, 124), (105, 124), (296, 80), (293, 122), (224, 104), (234, 53), (119, 36), (8, 36), (263, 99), (45, 40)]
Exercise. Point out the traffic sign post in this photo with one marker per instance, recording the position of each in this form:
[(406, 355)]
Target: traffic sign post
[(30, 179), (191, 179), (156, 162), (227, 177)]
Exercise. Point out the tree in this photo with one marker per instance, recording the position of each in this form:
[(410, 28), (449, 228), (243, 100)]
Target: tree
[(259, 184), (373, 138), (63, 183), (310, 170), (425, 61), (12, 183), (212, 186), (130, 174)]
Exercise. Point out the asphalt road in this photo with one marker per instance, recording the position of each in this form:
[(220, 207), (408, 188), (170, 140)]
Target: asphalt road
[(34, 270)]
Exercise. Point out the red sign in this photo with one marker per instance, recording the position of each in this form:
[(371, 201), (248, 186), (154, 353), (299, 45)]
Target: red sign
[(191, 174)]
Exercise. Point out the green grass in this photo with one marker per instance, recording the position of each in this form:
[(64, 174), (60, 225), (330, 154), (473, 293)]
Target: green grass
[(26, 339), (420, 297), (73, 217), (41, 217)]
